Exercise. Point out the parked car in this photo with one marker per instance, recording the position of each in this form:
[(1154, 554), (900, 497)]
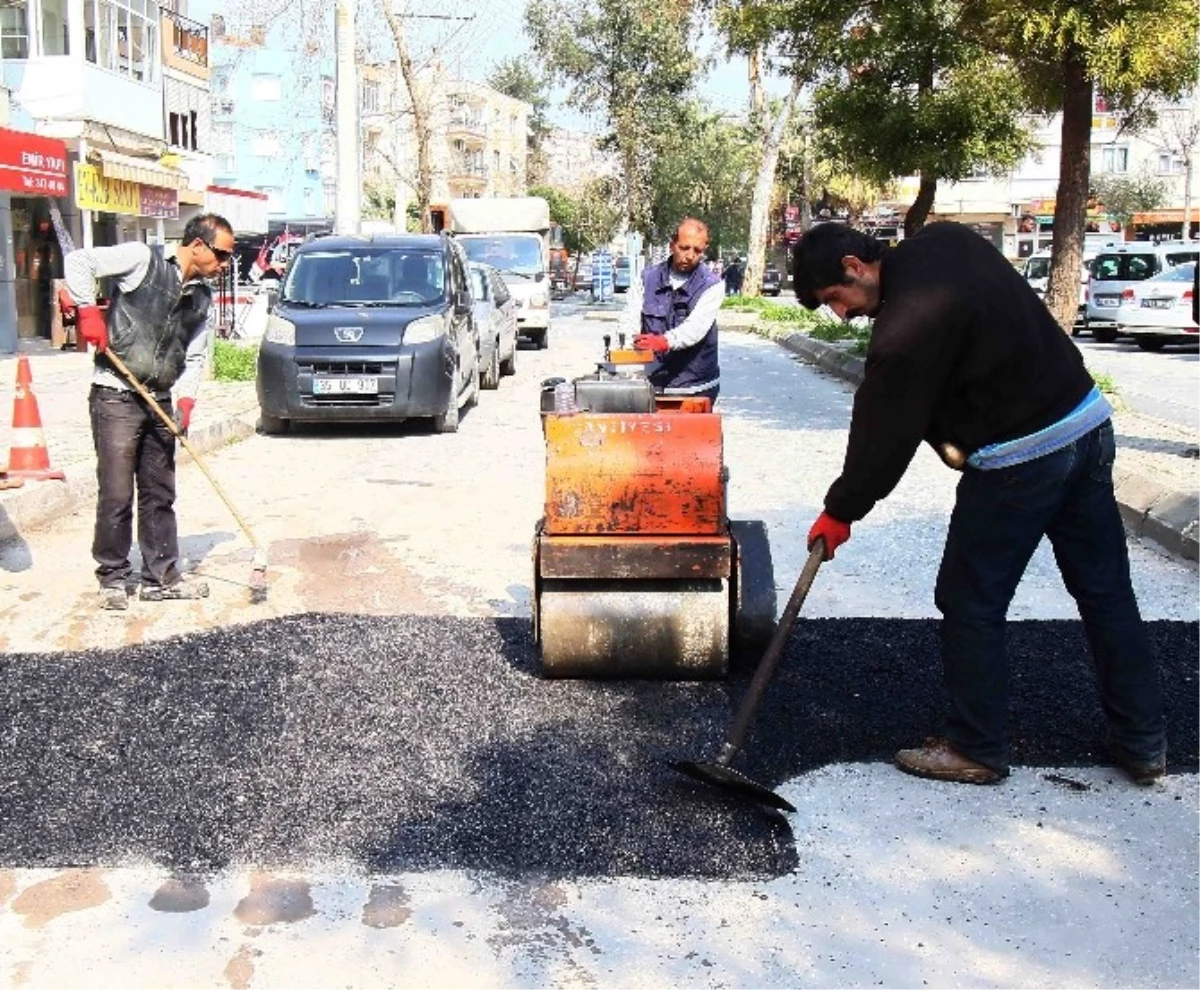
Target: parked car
[(1037, 274), (496, 319), (1116, 269), (583, 275), (772, 281), (621, 273), (369, 329), (1158, 311)]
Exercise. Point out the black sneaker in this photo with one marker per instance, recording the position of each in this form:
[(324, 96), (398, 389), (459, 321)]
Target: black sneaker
[(1143, 772), (114, 599), (180, 590)]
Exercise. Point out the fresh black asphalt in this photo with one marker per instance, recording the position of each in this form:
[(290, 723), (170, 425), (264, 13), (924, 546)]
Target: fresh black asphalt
[(418, 743)]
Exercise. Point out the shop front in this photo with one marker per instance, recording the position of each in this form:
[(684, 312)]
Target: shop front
[(33, 178), (125, 199)]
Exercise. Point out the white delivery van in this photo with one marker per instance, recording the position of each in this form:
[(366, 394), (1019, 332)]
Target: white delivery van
[(512, 235)]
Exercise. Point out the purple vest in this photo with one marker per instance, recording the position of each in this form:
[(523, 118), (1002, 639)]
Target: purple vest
[(664, 309)]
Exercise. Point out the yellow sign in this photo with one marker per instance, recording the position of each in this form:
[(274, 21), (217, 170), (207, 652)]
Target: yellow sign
[(93, 191)]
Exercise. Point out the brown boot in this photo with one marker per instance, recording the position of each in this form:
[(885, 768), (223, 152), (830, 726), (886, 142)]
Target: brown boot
[(1142, 772), (938, 760)]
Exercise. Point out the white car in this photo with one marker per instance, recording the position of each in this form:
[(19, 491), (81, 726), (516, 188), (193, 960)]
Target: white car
[(496, 317), (1158, 310)]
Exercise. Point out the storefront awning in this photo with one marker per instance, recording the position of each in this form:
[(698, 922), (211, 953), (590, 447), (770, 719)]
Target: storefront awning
[(1165, 216), (140, 170)]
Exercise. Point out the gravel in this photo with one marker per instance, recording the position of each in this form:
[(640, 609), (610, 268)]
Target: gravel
[(428, 743)]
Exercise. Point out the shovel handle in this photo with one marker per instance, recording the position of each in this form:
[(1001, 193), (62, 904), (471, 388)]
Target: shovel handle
[(774, 652), (171, 425)]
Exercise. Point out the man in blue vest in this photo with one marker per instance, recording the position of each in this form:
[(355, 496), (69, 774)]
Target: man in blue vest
[(675, 314)]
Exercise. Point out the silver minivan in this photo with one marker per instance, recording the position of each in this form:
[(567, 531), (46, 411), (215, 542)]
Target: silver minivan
[(1117, 268)]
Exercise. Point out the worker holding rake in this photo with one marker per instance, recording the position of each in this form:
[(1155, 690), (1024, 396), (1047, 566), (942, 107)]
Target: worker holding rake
[(965, 356), (155, 335)]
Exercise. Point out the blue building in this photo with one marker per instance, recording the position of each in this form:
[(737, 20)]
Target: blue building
[(272, 91)]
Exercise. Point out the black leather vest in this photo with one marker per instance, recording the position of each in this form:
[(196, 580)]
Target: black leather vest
[(151, 326)]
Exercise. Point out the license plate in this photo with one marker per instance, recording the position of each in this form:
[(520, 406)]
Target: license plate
[(345, 386), (1108, 300), (1157, 303)]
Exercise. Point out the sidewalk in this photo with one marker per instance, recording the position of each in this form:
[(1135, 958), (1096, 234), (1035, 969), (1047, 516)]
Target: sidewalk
[(1156, 475), (224, 411)]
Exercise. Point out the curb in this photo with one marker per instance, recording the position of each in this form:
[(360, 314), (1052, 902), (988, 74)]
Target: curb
[(40, 502), (1149, 510)]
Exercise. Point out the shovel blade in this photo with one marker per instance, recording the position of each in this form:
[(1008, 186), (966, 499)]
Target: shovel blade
[(730, 780)]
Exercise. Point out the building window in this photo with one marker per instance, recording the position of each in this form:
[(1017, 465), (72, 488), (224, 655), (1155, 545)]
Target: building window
[(1169, 163), (14, 29), (218, 27), (310, 202), (1114, 159), (122, 36), (330, 190), (266, 145), (222, 138), (54, 28), (267, 88), (226, 165), (371, 96)]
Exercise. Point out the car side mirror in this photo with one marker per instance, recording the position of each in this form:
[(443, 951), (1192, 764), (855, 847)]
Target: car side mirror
[(272, 300)]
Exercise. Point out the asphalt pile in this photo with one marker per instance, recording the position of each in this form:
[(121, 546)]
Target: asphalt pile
[(423, 743)]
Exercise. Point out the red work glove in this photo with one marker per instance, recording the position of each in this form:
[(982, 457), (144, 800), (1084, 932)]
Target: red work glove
[(834, 531), (183, 414), (655, 342), (92, 327)]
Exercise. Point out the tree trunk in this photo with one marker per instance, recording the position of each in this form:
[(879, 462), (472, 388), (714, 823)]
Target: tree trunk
[(421, 121), (1070, 205), (764, 186), (918, 213)]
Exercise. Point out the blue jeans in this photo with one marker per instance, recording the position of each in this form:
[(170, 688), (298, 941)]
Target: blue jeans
[(998, 520)]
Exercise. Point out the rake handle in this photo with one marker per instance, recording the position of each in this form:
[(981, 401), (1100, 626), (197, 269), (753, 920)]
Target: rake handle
[(171, 425), (774, 652)]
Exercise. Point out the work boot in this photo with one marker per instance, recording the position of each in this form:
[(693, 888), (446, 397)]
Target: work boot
[(181, 589), (114, 599), (1141, 772), (938, 760)]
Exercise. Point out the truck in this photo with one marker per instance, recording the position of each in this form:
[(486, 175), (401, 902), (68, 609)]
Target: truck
[(512, 234)]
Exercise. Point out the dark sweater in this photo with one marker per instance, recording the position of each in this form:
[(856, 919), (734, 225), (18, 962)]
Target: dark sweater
[(962, 351)]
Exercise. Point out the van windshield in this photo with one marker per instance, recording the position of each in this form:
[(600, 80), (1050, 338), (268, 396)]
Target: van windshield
[(365, 277), (518, 254)]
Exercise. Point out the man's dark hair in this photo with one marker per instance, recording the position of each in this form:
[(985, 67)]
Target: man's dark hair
[(817, 258), (205, 227)]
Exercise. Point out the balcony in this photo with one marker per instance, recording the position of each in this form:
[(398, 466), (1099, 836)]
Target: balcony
[(470, 130), (185, 44)]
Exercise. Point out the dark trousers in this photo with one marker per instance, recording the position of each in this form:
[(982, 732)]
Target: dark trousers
[(133, 447), (998, 520)]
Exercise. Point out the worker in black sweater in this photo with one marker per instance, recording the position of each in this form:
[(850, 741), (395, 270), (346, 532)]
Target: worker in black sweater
[(964, 356)]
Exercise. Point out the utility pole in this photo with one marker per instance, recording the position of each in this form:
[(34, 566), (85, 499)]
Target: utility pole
[(349, 182)]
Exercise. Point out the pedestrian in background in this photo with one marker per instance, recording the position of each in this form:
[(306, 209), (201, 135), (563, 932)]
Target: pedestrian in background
[(734, 276), (157, 325), (965, 356), (673, 310)]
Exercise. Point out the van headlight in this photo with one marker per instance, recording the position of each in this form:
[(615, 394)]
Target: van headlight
[(538, 301), (280, 331), (424, 330)]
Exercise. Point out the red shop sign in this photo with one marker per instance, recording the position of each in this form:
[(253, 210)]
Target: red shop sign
[(32, 165)]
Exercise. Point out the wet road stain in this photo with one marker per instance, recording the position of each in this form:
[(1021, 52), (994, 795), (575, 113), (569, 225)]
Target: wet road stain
[(179, 895), (239, 971), (386, 907), (70, 891), (272, 900), (353, 572)]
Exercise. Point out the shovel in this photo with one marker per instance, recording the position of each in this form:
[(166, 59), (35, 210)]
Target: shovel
[(719, 772), (258, 572)]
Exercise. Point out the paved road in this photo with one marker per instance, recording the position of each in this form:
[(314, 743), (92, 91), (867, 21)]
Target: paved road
[(220, 793), (1165, 385)]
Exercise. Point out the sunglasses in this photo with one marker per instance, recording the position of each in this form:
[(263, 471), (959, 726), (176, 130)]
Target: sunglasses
[(219, 253)]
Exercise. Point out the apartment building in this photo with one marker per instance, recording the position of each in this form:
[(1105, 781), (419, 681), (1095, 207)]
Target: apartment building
[(1017, 212), (479, 146), (107, 140), (573, 159)]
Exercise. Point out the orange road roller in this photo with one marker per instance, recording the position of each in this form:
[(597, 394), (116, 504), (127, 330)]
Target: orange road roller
[(638, 571)]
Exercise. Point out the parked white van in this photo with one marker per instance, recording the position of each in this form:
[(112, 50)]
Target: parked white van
[(1037, 273), (1117, 268)]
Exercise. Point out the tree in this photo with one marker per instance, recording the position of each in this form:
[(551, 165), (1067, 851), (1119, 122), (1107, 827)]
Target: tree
[(628, 62), (914, 95), (1124, 195), (589, 216), (1067, 50)]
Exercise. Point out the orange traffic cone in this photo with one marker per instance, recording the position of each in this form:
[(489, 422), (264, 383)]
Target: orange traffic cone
[(27, 456)]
